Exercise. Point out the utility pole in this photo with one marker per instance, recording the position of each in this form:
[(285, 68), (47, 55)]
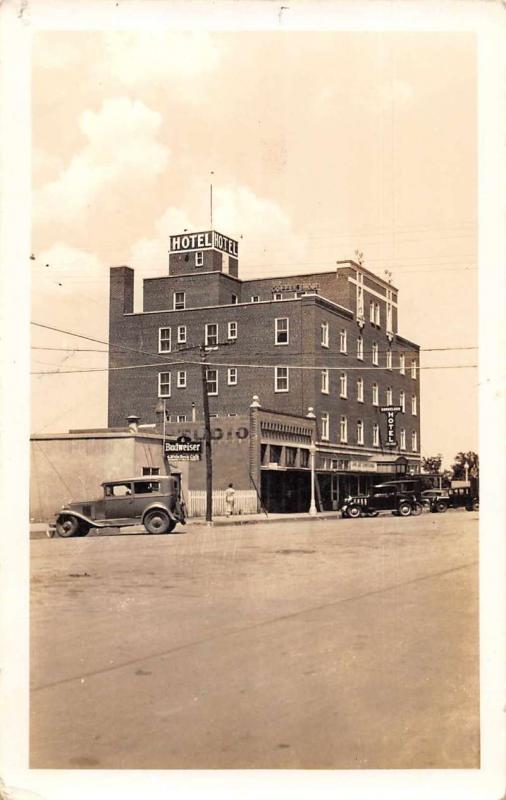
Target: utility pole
[(207, 436)]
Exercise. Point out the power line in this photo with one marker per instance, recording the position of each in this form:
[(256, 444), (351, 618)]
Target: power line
[(256, 352)]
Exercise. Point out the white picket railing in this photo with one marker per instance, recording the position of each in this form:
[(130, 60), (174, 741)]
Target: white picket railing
[(245, 503)]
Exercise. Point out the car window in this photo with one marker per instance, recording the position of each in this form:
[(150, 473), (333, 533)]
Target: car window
[(146, 487), (118, 490)]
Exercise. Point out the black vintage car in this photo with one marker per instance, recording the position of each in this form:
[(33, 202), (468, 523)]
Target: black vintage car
[(154, 502), (440, 501), (399, 497)]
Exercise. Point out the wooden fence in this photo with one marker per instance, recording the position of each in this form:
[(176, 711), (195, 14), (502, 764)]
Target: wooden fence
[(245, 503)]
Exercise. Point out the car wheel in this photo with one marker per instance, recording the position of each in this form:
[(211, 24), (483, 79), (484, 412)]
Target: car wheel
[(157, 521), (475, 505), (417, 510), (354, 512), (67, 526), (405, 509), (441, 506)]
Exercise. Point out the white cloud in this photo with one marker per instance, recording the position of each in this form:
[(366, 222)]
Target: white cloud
[(121, 144), (141, 58)]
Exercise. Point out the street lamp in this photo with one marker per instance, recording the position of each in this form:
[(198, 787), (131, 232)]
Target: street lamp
[(312, 453)]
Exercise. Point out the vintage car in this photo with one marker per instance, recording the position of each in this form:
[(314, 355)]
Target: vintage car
[(153, 501), (399, 497), (460, 497)]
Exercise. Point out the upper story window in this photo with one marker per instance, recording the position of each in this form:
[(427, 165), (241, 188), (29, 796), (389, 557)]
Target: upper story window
[(199, 258), (232, 376), (377, 318), (255, 298), (277, 296), (179, 301), (360, 348), (403, 439), (414, 441), (325, 381), (211, 334), (151, 470), (414, 370), (232, 330), (181, 379), (164, 384), (343, 429), (389, 358), (343, 341), (343, 385), (181, 418), (212, 381), (375, 353), (360, 295), (282, 330), (389, 325), (325, 426), (360, 432), (413, 405), (402, 401), (181, 334), (371, 312), (360, 390), (281, 379), (389, 396), (325, 334), (402, 363), (235, 299), (375, 435), (164, 340), (375, 398)]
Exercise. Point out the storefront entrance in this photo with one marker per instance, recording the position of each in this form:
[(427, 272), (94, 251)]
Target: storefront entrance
[(285, 492)]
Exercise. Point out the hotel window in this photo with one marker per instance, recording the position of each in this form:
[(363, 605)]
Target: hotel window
[(375, 400), (343, 385), (211, 334), (377, 318), (325, 427), (234, 299), (403, 439), (360, 348), (414, 442), (325, 381), (282, 331), (343, 344), (164, 384), (232, 330), (304, 457), (402, 363), (390, 399), (255, 298), (389, 311), (281, 379), (232, 376), (325, 334), (181, 418), (413, 405), (375, 353), (360, 390), (164, 340), (402, 401), (212, 381), (413, 370), (199, 258), (343, 429), (389, 359), (181, 379), (375, 435), (181, 334), (277, 296), (179, 301), (360, 432), (371, 312)]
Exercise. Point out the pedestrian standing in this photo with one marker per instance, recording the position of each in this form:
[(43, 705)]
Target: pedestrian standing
[(230, 499)]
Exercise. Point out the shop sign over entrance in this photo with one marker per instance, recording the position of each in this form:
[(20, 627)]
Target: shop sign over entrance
[(390, 412), (183, 449)]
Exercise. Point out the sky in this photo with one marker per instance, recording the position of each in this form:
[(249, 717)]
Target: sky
[(318, 145)]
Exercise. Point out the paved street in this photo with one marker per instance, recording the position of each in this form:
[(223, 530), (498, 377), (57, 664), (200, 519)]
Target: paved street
[(334, 644)]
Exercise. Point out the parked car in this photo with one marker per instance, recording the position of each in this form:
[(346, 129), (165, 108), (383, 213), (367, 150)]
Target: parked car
[(440, 500), (400, 497), (154, 501)]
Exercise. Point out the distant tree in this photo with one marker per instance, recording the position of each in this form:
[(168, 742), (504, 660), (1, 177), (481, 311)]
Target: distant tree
[(432, 463), (465, 462)]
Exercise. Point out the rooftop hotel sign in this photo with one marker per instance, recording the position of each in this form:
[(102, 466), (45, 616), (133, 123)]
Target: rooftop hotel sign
[(204, 240)]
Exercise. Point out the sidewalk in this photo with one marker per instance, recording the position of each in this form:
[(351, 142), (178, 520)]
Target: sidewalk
[(38, 529)]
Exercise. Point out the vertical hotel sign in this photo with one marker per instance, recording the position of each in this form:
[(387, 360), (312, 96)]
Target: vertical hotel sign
[(390, 412), (184, 242)]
